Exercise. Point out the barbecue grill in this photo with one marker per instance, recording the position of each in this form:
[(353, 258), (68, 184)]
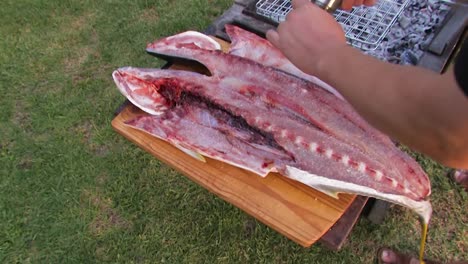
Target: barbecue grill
[(418, 32), (364, 27)]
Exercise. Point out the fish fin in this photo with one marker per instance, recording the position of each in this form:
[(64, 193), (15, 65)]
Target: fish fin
[(190, 152), (422, 207)]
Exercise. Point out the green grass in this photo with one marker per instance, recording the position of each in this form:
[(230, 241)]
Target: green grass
[(74, 191)]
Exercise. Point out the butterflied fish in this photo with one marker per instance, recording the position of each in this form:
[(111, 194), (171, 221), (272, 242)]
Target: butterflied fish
[(295, 127)]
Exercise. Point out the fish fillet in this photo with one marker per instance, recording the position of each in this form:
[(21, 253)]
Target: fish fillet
[(248, 45)]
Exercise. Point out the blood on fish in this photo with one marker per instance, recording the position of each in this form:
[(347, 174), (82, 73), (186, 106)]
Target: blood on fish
[(320, 150), (353, 163), (336, 156), (305, 144), (267, 164), (371, 171), (169, 89), (247, 91), (313, 147), (266, 124), (291, 137)]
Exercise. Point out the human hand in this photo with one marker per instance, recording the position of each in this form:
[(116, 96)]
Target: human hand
[(307, 34), (348, 4)]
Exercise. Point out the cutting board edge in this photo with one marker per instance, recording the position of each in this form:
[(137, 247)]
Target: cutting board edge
[(304, 242)]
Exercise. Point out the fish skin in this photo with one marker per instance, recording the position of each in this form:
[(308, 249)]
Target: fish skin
[(191, 37)]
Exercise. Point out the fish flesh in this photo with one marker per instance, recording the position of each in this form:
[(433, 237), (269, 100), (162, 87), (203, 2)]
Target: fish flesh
[(266, 120), (249, 45), (192, 123)]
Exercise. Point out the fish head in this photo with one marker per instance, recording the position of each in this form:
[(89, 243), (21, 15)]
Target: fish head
[(144, 92)]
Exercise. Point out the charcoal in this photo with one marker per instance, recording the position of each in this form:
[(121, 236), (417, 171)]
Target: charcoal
[(412, 33), (404, 21), (408, 58)]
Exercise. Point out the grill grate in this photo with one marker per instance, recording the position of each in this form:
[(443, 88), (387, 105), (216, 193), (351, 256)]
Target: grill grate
[(364, 27)]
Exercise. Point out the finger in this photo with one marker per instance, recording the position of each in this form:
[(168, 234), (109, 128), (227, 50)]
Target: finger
[(347, 4), (273, 37), (298, 3), (358, 2), (369, 2)]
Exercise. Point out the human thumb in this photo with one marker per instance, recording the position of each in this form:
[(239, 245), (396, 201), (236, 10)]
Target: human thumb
[(298, 3), (273, 37)]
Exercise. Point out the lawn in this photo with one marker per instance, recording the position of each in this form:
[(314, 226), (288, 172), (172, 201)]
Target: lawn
[(74, 191)]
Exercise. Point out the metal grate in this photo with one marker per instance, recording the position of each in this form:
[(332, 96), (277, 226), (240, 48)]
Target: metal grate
[(365, 27)]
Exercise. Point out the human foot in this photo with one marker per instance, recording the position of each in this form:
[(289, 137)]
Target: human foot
[(461, 177)]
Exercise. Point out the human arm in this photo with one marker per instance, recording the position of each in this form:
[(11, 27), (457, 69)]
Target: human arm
[(421, 109), (424, 110)]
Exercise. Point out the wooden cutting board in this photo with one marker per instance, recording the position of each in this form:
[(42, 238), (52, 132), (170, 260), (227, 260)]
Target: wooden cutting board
[(295, 210)]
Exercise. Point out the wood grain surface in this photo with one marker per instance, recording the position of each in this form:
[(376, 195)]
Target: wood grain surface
[(295, 210)]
